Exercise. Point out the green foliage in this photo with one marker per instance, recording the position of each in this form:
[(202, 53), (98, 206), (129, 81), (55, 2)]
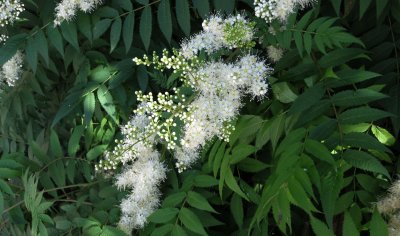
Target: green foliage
[(311, 158)]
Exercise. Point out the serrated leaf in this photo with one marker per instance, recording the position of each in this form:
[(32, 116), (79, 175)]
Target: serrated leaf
[(101, 27), (56, 39), (73, 143), (320, 228), (377, 225), (183, 15), (89, 104), (107, 102), (358, 97), (202, 7), (240, 152), (319, 151), (55, 145), (205, 181), (196, 200), (236, 207), (191, 221), (96, 152), (127, 30), (145, 27), (232, 184), (364, 161), (349, 228), (174, 199), (383, 135), (115, 33), (363, 140), (70, 34), (163, 215), (310, 97), (362, 114), (164, 19)]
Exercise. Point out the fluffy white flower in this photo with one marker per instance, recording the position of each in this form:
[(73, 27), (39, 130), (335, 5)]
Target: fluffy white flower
[(144, 178), (66, 9), (219, 33), (12, 70), (270, 10), (9, 11), (274, 53)]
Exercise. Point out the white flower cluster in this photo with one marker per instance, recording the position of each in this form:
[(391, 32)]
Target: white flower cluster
[(3, 38), (271, 10), (11, 71), (183, 121), (66, 9), (220, 33), (9, 11), (220, 87), (390, 206), (274, 53)]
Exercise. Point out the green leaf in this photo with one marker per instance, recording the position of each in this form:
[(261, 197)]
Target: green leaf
[(73, 143), (6, 173), (145, 26), (283, 92), (163, 230), (101, 27), (41, 45), (89, 104), (56, 39), (319, 151), (232, 184), (383, 135), (310, 97), (205, 181), (354, 98), (252, 165), (69, 32), (127, 30), (31, 54), (178, 231), (237, 209), (196, 200), (377, 225), (319, 228), (115, 33), (55, 145), (183, 15), (1, 202), (380, 6), (164, 19), (202, 7), (95, 152), (191, 221), (349, 228), (163, 215), (363, 140), (362, 114), (349, 76), (226, 5), (363, 7), (106, 101), (240, 152), (174, 199), (340, 56), (364, 161)]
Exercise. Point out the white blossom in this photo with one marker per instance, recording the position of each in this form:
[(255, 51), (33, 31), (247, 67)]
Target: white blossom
[(3, 38), (66, 9), (274, 53), (143, 178), (10, 11), (219, 33), (11, 71), (270, 10)]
